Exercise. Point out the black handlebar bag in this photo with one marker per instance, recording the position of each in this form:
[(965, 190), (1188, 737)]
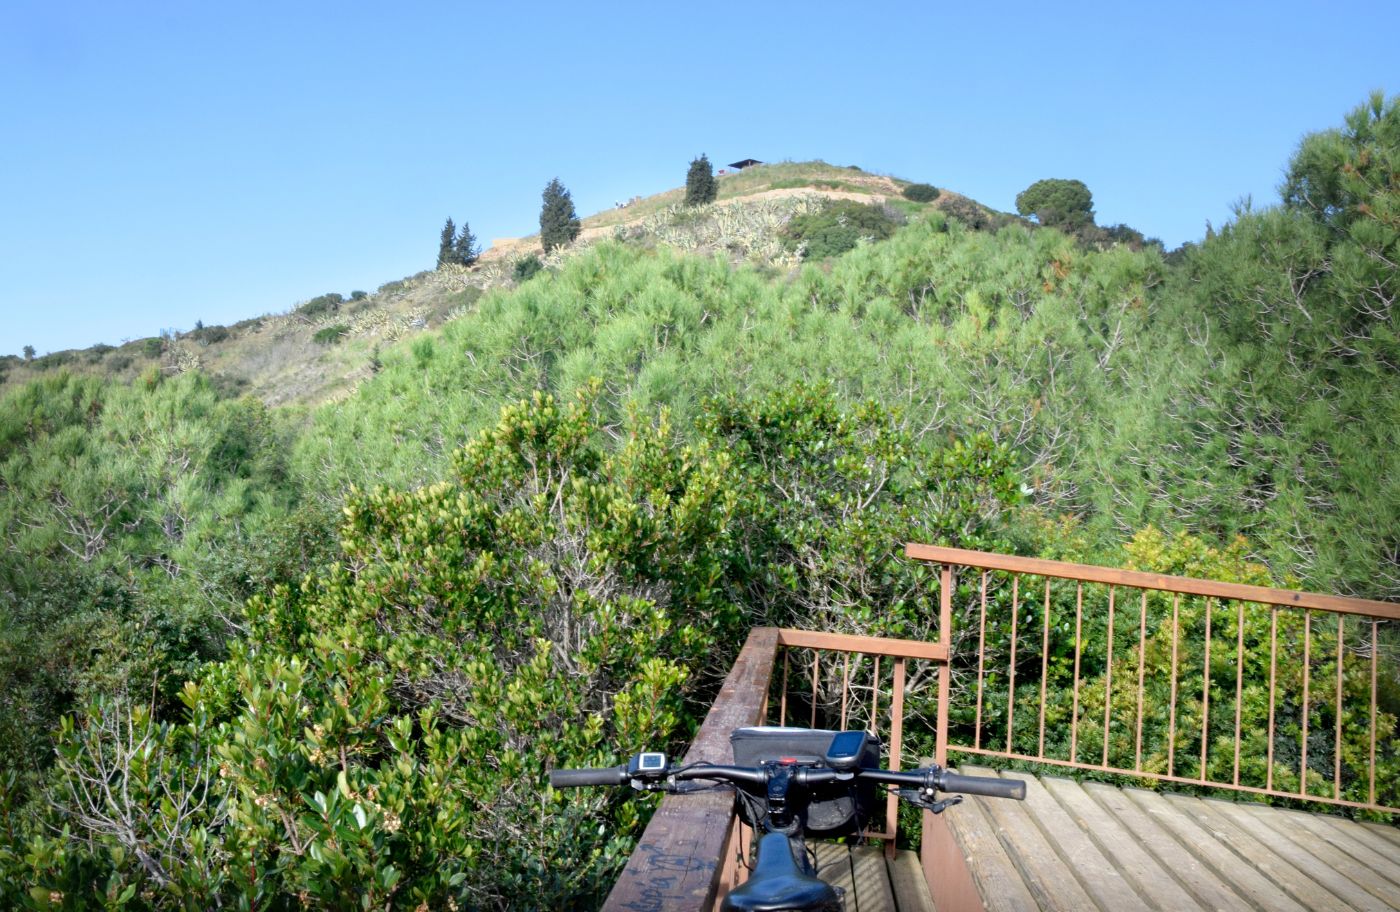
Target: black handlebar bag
[(836, 808)]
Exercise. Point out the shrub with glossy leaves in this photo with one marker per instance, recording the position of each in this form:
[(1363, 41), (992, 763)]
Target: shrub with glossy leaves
[(384, 730)]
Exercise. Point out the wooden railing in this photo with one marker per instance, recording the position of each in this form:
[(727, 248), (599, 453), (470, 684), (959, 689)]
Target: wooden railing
[(1005, 674), (1266, 691)]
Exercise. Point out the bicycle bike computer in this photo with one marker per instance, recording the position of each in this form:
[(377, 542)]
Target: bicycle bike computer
[(650, 763), (845, 750)]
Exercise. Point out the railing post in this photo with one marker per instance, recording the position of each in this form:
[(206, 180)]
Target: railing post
[(945, 639)]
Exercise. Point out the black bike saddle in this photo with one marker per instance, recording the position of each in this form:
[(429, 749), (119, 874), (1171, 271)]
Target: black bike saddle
[(777, 883)]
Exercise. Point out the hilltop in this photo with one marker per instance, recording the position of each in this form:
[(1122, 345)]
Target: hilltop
[(323, 349)]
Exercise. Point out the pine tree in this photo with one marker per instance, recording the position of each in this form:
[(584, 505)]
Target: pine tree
[(445, 246), (464, 249), (559, 223), (700, 184)]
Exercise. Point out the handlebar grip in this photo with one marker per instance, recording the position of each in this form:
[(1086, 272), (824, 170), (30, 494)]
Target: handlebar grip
[(574, 778), (983, 785)]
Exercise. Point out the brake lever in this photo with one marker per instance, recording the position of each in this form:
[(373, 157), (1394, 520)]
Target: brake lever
[(917, 798)]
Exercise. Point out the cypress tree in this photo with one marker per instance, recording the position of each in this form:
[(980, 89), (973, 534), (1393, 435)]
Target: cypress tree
[(700, 184), (559, 223), (464, 249), (445, 245)]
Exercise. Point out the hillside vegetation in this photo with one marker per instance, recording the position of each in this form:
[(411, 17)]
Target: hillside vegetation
[(323, 348), (322, 657)]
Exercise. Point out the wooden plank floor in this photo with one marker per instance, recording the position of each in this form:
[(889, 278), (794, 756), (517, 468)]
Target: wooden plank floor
[(1084, 846), (872, 883)]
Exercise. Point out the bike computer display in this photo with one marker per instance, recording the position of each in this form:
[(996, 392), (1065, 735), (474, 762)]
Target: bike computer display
[(845, 750), (650, 763)]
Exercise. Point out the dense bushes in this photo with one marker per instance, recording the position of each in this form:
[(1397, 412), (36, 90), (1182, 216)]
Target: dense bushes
[(321, 305), (526, 268), (838, 228), (330, 335), (559, 599), (123, 509), (921, 193)]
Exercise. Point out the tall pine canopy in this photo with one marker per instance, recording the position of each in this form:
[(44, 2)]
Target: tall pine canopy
[(559, 223), (465, 249), (445, 245), (700, 184), (1058, 203)]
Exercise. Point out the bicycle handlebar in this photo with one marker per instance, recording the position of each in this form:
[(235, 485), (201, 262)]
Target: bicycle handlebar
[(575, 778), (931, 778), (983, 785)]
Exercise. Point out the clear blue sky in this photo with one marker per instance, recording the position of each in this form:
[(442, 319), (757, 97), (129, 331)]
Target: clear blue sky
[(167, 162)]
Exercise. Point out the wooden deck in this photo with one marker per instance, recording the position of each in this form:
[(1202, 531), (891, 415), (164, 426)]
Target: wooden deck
[(1083, 846), (872, 883)]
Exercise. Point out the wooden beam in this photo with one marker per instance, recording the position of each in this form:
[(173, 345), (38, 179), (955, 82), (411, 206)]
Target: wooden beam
[(1136, 579), (881, 646), (676, 865)]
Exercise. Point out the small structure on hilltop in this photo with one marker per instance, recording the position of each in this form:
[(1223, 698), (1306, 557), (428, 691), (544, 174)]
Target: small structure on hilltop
[(746, 163)]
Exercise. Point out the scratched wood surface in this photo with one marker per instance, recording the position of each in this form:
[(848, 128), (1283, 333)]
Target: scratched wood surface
[(1089, 846)]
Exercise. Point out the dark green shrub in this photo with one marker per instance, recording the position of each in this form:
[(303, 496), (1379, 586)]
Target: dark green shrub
[(330, 335), (209, 335), (119, 362), (55, 359), (837, 228), (153, 346), (969, 213), (921, 193), (325, 304), (95, 353), (358, 295), (527, 268)]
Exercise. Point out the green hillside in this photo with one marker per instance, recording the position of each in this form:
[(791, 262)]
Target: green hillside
[(322, 349), (328, 651)]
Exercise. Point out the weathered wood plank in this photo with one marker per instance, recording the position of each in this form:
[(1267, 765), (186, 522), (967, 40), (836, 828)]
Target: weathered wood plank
[(1198, 880), (1348, 836), (983, 560), (1138, 867), (1388, 833), (1305, 858), (868, 887), (676, 863), (907, 882), (1051, 881), (997, 878), (1322, 856), (846, 642), (1254, 869), (1099, 876)]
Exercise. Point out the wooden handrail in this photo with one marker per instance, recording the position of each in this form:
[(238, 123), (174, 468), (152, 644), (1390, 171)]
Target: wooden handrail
[(676, 865), (1161, 582), (880, 646)]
